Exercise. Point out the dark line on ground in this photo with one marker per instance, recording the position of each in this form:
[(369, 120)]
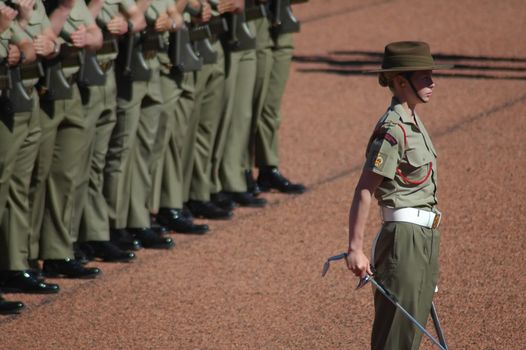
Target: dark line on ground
[(439, 56), (349, 72)]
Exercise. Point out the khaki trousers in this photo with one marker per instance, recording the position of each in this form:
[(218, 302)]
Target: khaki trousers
[(18, 151), (267, 151), (264, 59), (210, 84), (172, 182), (127, 175), (406, 262), (231, 153), (100, 111), (166, 167), (56, 176)]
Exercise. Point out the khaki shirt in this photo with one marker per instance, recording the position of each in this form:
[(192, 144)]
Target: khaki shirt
[(110, 9), (156, 8), (163, 57), (13, 35), (37, 24), (79, 15), (402, 152)]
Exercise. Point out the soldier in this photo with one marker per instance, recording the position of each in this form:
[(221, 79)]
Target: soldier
[(127, 176), (268, 116), (401, 171), (63, 146), (7, 15), (179, 90), (100, 103), (230, 158), (206, 118), (21, 147)]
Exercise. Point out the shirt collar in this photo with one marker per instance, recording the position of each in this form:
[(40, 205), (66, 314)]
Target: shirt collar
[(397, 107)]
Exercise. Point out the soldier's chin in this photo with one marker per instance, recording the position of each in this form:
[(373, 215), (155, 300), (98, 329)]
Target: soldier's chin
[(426, 98)]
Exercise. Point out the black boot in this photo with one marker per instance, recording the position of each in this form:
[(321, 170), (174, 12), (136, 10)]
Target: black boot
[(150, 239), (247, 199), (157, 227), (124, 240), (176, 221), (69, 268), (208, 210), (270, 178), (35, 270), (80, 255), (106, 251), (222, 201), (25, 282), (252, 185), (10, 307)]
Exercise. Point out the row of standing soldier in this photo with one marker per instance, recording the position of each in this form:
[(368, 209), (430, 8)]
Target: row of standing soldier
[(123, 120)]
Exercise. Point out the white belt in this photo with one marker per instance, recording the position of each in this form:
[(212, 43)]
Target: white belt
[(416, 216)]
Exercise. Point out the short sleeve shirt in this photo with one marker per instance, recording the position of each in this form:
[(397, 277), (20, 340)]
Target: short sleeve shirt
[(14, 34), (401, 151), (39, 20), (79, 15), (110, 9), (36, 25)]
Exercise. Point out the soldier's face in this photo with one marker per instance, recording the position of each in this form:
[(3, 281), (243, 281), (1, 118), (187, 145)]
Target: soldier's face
[(424, 84)]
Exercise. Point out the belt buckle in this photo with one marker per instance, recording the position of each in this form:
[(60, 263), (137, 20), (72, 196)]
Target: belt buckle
[(436, 220)]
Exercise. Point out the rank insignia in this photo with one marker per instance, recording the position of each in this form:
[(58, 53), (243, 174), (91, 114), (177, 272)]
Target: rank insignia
[(390, 138)]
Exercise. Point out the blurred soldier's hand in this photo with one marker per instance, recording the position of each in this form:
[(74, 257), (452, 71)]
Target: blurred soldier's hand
[(13, 56), (163, 23), (117, 25), (226, 6), (206, 12), (358, 263), (7, 15), (26, 9), (43, 45), (78, 37)]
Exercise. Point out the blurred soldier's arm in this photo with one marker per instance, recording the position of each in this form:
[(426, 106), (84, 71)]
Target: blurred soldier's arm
[(7, 15)]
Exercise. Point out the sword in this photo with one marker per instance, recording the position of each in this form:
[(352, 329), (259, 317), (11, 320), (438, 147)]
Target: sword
[(392, 298)]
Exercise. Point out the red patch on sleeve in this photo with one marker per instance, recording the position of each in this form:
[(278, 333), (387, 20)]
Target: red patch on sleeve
[(390, 138)]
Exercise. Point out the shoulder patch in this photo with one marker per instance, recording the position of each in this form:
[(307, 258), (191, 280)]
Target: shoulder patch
[(378, 161)]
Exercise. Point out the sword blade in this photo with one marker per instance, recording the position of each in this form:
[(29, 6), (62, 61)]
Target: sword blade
[(417, 324), (438, 328)]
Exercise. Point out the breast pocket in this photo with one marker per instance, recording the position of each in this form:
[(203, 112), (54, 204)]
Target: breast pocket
[(417, 168)]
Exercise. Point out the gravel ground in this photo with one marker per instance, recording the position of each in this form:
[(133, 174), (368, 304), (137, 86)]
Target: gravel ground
[(254, 282)]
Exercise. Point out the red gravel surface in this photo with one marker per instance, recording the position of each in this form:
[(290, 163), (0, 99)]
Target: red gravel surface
[(254, 282)]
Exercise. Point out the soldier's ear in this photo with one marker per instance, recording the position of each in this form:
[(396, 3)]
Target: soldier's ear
[(400, 81)]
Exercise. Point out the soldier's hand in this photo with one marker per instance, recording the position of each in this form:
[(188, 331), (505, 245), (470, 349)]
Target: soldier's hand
[(25, 7), (206, 12), (226, 6), (163, 23), (78, 37), (117, 25), (43, 45), (179, 20), (13, 56), (7, 15), (358, 263)]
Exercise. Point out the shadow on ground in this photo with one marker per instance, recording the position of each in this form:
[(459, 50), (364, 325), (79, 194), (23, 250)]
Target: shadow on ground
[(360, 63)]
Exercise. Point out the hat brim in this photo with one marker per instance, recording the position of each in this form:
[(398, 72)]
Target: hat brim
[(411, 69)]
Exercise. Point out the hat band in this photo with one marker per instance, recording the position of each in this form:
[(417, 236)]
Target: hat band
[(407, 61)]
